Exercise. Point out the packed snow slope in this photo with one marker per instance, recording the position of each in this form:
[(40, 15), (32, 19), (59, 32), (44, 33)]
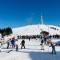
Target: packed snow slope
[(36, 29), (32, 52)]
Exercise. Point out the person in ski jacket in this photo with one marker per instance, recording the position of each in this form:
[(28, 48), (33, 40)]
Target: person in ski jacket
[(53, 48), (22, 44)]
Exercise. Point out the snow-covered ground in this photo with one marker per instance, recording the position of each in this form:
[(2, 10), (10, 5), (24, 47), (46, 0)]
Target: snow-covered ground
[(32, 52)]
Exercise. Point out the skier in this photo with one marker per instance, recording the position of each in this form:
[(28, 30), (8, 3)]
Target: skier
[(16, 43), (8, 43), (22, 44), (42, 42), (42, 46), (0, 46), (29, 38), (53, 48), (45, 40), (13, 42)]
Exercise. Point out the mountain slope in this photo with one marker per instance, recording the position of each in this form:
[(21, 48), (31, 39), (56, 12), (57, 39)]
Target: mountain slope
[(36, 29)]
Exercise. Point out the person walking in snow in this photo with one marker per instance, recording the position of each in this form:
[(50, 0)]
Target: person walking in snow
[(22, 44), (53, 48), (0, 46), (29, 38), (45, 40), (42, 42), (8, 43), (42, 46), (16, 45), (13, 42)]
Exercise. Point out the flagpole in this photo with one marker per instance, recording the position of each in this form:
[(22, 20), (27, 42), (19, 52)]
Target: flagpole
[(42, 20)]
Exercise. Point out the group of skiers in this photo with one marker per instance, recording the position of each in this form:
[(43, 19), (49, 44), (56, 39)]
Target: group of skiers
[(44, 42), (14, 43)]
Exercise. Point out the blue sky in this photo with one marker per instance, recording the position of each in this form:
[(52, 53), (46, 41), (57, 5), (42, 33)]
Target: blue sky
[(16, 13)]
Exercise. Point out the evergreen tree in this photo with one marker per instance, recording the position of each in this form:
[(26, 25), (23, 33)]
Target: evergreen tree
[(6, 31)]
